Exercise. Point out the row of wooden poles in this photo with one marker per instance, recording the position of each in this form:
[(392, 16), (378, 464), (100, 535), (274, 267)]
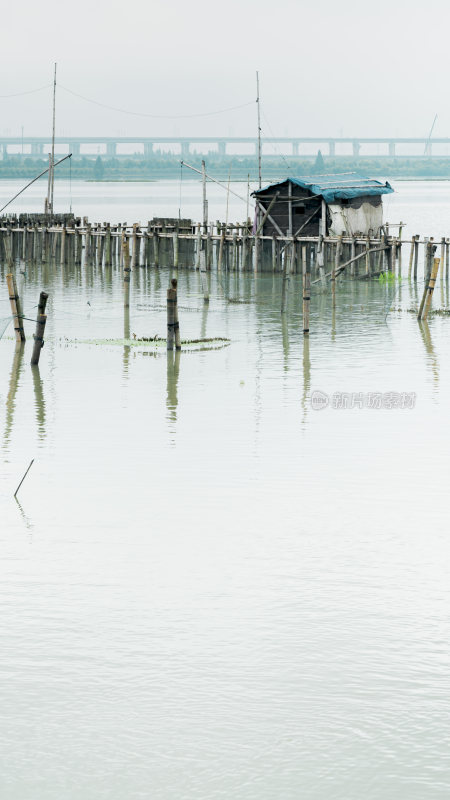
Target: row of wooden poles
[(100, 243), (228, 247)]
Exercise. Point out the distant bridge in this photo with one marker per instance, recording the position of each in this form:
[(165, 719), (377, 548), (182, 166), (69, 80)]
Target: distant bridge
[(299, 147)]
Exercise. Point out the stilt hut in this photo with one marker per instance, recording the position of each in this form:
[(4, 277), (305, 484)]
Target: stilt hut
[(330, 205)]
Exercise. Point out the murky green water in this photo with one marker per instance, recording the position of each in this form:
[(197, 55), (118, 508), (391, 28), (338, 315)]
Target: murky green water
[(210, 589)]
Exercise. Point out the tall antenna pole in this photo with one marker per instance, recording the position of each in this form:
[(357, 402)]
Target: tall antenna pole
[(259, 129), (53, 144), (205, 202)]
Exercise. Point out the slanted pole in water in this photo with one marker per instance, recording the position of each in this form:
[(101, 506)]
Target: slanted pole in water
[(16, 307), (429, 289)]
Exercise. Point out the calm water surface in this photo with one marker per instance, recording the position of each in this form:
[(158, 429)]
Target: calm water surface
[(209, 589)]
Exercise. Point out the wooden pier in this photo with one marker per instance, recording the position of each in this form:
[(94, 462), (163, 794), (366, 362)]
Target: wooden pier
[(231, 247)]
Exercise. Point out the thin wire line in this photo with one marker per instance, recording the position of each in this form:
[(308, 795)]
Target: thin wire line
[(70, 183), (154, 116), (181, 184), (280, 155), (30, 91)]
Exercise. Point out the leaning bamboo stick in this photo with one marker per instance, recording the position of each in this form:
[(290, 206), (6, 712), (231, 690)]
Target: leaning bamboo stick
[(428, 293), (16, 307)]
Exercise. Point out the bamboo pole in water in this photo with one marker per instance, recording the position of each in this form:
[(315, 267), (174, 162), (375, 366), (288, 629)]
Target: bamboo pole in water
[(173, 328), (428, 294), (108, 246), (156, 248), (411, 257), (352, 256), (306, 264), (334, 270), (288, 257), (63, 246), (175, 316), (441, 271), (203, 276), (368, 257), (416, 254), (126, 270), (38, 337), (134, 251), (16, 307), (427, 275)]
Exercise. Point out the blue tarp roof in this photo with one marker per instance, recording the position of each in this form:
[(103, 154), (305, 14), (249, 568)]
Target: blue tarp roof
[(337, 187)]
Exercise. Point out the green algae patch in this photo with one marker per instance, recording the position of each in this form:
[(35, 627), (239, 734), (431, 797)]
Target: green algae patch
[(157, 342)]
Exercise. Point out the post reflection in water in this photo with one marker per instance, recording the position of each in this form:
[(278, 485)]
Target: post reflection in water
[(306, 376), (431, 353), (173, 372), (126, 337), (39, 401), (204, 320), (285, 340), (16, 370)]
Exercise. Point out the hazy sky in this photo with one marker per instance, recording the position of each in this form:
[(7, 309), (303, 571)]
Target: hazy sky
[(326, 68)]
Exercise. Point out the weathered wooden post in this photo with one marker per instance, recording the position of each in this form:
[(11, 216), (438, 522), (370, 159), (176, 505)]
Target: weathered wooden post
[(126, 270), (203, 276), (24, 242), (199, 245), (221, 245), (411, 258), (306, 268), (335, 269), (208, 249), (173, 327), (87, 241), (108, 245), (16, 307), (429, 251), (416, 254), (257, 254), (63, 246), (442, 260), (135, 250), (155, 247), (234, 252), (368, 270), (352, 256), (287, 267), (38, 336)]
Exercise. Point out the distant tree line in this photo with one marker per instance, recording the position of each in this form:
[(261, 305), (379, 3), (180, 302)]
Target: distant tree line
[(167, 165)]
